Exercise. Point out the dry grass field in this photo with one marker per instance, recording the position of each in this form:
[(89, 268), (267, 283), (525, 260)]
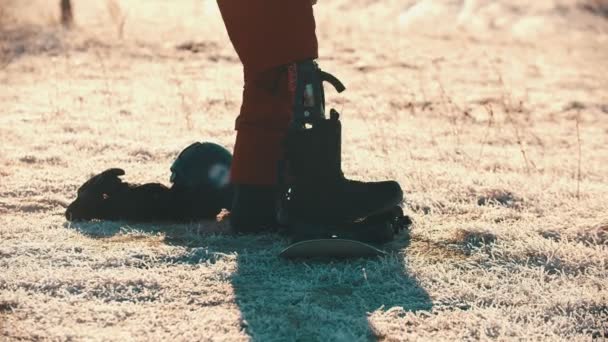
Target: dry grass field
[(493, 115)]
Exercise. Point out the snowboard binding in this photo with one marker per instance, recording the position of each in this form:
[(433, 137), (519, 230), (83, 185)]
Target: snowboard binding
[(356, 240), (317, 202), (376, 229)]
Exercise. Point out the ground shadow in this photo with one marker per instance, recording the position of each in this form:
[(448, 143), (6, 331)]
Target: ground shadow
[(282, 300), (321, 300)]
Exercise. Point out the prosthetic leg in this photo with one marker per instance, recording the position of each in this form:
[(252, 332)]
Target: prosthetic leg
[(318, 202)]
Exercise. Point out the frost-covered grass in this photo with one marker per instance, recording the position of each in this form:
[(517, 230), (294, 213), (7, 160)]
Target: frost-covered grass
[(493, 116)]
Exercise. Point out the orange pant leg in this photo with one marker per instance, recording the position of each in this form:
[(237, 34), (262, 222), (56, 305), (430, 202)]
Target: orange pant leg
[(268, 35)]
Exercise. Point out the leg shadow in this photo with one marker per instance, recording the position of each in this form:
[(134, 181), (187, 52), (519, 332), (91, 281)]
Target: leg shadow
[(282, 300), (318, 301)]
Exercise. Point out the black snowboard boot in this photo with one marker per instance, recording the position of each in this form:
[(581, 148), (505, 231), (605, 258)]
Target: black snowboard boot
[(254, 209), (319, 201)]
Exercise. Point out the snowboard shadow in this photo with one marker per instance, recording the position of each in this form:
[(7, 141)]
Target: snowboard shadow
[(302, 300)]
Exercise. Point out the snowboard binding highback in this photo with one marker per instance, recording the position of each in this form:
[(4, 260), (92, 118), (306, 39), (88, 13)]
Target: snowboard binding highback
[(317, 201)]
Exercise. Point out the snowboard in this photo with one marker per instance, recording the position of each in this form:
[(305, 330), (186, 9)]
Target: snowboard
[(330, 248)]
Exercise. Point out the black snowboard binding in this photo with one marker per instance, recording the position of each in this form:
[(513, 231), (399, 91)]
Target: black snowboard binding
[(376, 229), (318, 201)]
